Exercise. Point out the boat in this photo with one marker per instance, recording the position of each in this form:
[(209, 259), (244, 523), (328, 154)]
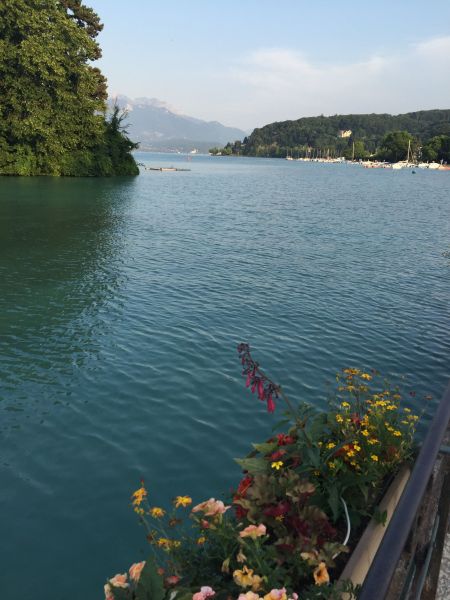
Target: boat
[(165, 169), (405, 164)]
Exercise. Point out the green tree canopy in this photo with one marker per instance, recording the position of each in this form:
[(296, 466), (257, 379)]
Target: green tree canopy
[(52, 100), (394, 146), (437, 149)]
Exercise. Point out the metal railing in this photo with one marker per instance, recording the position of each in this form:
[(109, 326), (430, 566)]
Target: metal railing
[(379, 576)]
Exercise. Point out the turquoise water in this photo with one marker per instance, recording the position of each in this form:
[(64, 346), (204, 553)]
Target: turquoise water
[(122, 302)]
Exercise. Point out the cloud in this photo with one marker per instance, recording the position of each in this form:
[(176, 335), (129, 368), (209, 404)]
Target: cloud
[(286, 84)]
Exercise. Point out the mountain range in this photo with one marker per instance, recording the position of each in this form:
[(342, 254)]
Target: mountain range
[(158, 126)]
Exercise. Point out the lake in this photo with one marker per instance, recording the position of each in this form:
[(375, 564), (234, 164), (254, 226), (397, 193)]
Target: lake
[(123, 300)]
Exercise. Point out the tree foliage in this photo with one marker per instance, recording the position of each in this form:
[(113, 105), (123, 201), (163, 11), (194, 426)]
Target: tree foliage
[(52, 100), (319, 136), (394, 146)]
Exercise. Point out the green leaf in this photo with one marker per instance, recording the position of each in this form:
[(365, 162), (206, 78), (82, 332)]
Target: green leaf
[(252, 465), (150, 586), (265, 448), (120, 593), (333, 501)]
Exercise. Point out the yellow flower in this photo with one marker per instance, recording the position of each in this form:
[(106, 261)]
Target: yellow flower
[(339, 419), (391, 407), (277, 464), (331, 445), (157, 512), (398, 433), (279, 518), (374, 457), (139, 495), (331, 465), (321, 574), (366, 376), (373, 441), (201, 540), (182, 501), (163, 543), (245, 578), (365, 433), (345, 405), (407, 410), (350, 453)]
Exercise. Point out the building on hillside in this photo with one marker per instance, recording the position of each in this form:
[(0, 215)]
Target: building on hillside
[(345, 133)]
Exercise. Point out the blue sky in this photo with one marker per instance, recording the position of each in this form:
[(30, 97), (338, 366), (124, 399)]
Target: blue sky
[(250, 62)]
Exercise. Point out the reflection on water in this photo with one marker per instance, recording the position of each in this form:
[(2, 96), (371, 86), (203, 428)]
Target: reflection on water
[(60, 268), (122, 302)]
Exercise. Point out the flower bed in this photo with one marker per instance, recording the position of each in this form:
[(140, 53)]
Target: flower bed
[(299, 508)]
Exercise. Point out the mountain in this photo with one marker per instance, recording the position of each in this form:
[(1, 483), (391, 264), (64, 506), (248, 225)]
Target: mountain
[(158, 126)]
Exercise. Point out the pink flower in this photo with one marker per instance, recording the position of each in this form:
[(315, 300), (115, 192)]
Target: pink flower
[(135, 570), (253, 531), (172, 580), (211, 507), (270, 404), (204, 593), (119, 580), (249, 596), (261, 392)]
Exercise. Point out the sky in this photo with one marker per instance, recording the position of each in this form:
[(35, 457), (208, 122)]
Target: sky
[(247, 63)]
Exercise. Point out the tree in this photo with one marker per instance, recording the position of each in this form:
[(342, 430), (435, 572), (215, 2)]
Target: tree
[(52, 108), (394, 146), (437, 149)]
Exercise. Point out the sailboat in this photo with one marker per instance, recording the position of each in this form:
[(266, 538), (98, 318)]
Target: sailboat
[(403, 164)]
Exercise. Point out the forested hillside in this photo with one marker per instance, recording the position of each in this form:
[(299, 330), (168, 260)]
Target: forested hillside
[(336, 135)]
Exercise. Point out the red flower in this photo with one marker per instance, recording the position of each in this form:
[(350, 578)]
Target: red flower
[(241, 512), (284, 440), (270, 404), (277, 455), (277, 510), (244, 485), (356, 419)]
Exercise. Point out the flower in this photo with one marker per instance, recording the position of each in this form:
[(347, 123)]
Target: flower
[(205, 592), (240, 557), (330, 445), (249, 596), (201, 540), (172, 580), (119, 580), (108, 592), (253, 531), (182, 501), (211, 507), (245, 578), (139, 495), (157, 512), (276, 595), (339, 419), (366, 376), (135, 570), (277, 464), (345, 405), (374, 457), (321, 574)]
